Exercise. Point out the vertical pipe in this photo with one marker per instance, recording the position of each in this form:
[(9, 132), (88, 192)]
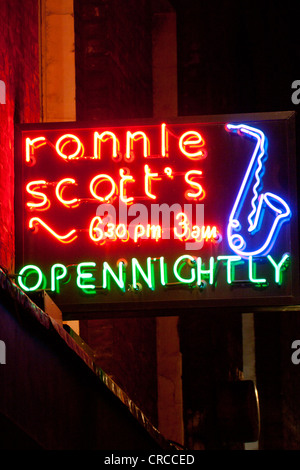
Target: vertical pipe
[(249, 367)]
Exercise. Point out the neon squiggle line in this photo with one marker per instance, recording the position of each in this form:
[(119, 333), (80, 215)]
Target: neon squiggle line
[(62, 238)]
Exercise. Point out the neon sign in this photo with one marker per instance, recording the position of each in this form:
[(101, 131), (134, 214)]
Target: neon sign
[(32, 278), (159, 212)]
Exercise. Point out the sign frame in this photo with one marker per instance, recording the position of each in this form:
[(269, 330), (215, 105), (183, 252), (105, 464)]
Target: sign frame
[(160, 307)]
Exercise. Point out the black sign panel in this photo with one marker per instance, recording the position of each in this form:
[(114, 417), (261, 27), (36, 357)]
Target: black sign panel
[(192, 212)]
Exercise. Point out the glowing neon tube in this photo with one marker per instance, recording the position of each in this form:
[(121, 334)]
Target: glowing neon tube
[(68, 238), (280, 210)]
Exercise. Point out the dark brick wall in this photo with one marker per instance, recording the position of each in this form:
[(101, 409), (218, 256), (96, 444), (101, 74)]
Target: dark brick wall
[(236, 58), (211, 346), (278, 380), (289, 325), (113, 59), (126, 350), (19, 69)]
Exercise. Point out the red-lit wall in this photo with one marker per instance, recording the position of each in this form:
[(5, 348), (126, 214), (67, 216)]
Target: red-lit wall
[(113, 59), (19, 69)]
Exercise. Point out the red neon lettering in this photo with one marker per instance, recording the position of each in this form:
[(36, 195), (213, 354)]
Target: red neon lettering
[(96, 233), (59, 190), (184, 224), (68, 238), (139, 232), (188, 178), (148, 179), (150, 231), (96, 181), (154, 232), (31, 145), (113, 232), (130, 138), (65, 140), (192, 140), (204, 233), (125, 178), (103, 137), (110, 231), (164, 141), (169, 172), (196, 233), (209, 232), (124, 235), (44, 201)]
